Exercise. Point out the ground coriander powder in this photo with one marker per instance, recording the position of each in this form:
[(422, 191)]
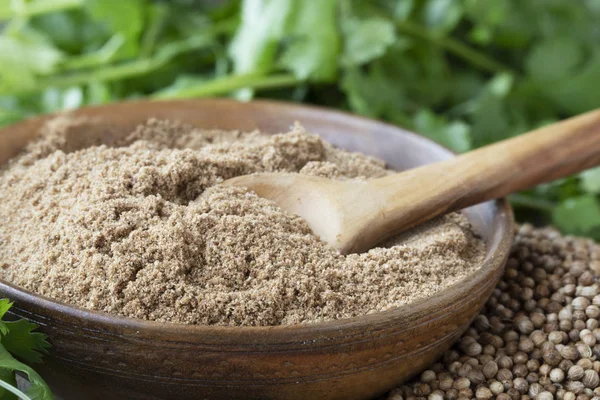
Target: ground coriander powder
[(140, 226)]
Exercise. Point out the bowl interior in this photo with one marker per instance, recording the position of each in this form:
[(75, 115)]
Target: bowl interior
[(399, 148)]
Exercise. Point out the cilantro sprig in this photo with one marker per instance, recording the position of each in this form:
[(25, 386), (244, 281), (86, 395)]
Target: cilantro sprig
[(19, 344), (464, 72)]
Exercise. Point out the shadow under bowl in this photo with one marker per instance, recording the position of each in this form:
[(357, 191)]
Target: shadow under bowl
[(98, 356)]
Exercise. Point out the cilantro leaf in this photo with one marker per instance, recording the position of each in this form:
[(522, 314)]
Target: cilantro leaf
[(38, 390), (579, 215), (442, 15), (25, 344), (453, 134), (120, 17), (366, 39), (590, 180), (7, 376), (5, 305), (553, 59), (254, 46), (315, 44)]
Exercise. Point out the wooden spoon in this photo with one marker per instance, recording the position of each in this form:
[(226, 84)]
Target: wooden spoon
[(354, 216)]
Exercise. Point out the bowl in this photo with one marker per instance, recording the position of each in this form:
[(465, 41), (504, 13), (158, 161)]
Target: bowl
[(99, 356)]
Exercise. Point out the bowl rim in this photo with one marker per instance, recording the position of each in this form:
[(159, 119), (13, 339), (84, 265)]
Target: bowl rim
[(495, 257)]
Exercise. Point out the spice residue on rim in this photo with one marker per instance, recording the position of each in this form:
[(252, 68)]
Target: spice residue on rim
[(139, 226)]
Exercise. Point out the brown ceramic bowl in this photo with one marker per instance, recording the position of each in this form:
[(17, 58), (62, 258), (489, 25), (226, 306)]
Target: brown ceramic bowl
[(99, 356)]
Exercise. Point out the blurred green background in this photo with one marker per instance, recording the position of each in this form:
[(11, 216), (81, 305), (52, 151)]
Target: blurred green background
[(463, 72)]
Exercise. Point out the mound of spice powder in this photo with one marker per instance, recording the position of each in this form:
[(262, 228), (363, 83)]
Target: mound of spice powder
[(139, 226)]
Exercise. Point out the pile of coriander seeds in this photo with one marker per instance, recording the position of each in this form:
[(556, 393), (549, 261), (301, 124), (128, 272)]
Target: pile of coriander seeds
[(538, 336)]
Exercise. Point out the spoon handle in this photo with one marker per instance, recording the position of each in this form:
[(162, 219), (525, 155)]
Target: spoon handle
[(545, 154), (411, 197)]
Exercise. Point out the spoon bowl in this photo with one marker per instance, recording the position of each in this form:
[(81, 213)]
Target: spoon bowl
[(99, 356), (354, 215)]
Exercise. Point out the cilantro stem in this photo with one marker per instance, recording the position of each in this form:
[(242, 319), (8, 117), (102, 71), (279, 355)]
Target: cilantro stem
[(455, 47), (127, 69), (14, 390), (229, 84), (535, 203), (37, 8)]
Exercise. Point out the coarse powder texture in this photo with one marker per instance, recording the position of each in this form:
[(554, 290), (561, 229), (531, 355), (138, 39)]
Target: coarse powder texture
[(139, 226)]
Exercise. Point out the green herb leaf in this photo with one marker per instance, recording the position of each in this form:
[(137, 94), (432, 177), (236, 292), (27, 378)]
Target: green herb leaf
[(25, 344), (122, 17), (366, 39), (442, 15), (254, 46), (7, 376), (590, 180), (554, 59), (38, 390), (21, 61), (5, 305), (452, 134), (315, 44), (579, 215)]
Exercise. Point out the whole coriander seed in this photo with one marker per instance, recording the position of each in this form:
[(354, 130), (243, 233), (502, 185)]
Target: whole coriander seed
[(545, 369), (532, 365), (496, 387), (422, 389), (520, 370), (575, 386), (557, 375), (565, 365), (587, 337), (591, 379), (514, 394), (585, 363), (476, 377), (575, 372), (569, 353), (580, 303), (520, 357), (461, 383), (532, 377), (490, 369), (592, 311), (521, 385), (436, 395), (464, 369), (447, 383), (428, 376), (524, 324), (565, 325), (544, 396), (483, 393), (504, 375), (538, 337), (555, 337), (565, 314), (584, 350), (505, 362), (535, 389), (526, 345)]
